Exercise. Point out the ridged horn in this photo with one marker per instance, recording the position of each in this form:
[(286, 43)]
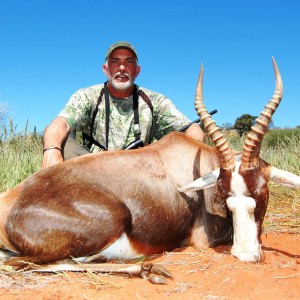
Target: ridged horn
[(254, 139), (214, 132)]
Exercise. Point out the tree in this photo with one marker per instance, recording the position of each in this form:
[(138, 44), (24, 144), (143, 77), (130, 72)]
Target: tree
[(3, 112), (227, 126), (3, 117), (243, 123)]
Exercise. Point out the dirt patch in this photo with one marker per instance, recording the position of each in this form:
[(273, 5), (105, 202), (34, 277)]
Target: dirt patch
[(207, 274)]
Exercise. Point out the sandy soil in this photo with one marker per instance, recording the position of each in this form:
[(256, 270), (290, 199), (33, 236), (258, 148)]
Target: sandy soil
[(208, 274)]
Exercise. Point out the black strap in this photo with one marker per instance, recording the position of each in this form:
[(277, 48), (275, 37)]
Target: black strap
[(136, 126), (146, 99), (149, 103), (107, 114), (89, 139)]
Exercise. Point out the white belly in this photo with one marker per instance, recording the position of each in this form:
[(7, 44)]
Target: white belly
[(120, 249)]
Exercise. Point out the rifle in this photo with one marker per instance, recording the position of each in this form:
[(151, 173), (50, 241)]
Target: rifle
[(184, 128), (139, 143)]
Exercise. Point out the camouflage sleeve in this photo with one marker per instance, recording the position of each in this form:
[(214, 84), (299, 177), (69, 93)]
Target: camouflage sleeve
[(167, 119), (77, 111)]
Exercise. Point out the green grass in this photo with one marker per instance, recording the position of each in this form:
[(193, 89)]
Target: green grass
[(20, 156), (280, 148)]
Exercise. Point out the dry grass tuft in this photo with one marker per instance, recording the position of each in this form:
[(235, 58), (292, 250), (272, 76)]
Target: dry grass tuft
[(12, 280), (283, 213)]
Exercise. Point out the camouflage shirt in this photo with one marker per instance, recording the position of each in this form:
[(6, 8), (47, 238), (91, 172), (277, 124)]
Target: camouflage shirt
[(79, 110)]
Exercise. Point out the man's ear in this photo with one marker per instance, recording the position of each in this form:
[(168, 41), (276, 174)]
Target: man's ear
[(104, 69), (138, 70)]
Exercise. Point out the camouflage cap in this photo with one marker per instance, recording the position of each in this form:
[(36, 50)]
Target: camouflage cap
[(121, 45)]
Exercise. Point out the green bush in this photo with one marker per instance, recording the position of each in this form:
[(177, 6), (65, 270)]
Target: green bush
[(281, 137)]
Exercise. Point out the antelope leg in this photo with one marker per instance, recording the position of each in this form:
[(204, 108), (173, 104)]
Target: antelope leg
[(154, 273)]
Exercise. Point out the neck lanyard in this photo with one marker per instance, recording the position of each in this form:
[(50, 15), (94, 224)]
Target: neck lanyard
[(136, 127), (89, 139), (107, 113)]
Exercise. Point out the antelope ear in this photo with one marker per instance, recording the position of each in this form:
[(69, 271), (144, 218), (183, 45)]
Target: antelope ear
[(203, 182), (284, 177)]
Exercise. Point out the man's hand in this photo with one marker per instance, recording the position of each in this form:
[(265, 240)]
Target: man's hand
[(195, 132)]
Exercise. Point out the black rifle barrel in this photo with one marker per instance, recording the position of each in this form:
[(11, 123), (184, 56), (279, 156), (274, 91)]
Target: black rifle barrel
[(196, 121), (135, 144), (139, 143)]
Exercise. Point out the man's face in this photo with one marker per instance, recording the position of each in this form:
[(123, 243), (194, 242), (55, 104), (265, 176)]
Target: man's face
[(121, 69)]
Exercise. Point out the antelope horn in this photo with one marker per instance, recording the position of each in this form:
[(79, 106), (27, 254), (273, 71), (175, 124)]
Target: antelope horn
[(214, 132), (254, 139)]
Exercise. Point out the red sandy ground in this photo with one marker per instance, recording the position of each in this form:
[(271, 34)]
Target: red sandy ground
[(208, 274)]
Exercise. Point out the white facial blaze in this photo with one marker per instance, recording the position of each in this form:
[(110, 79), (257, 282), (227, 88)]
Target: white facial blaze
[(245, 242)]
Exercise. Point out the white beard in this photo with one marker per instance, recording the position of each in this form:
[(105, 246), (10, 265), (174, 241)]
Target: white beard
[(120, 85)]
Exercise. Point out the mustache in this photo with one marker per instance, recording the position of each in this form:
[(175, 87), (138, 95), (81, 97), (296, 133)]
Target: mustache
[(120, 73)]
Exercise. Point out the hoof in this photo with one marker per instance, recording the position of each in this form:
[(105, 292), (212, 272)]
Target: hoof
[(156, 274), (155, 279)]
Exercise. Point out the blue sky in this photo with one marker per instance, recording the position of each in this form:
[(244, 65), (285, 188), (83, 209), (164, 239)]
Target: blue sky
[(50, 49)]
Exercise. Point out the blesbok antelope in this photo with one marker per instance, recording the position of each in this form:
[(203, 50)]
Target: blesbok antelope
[(125, 205)]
